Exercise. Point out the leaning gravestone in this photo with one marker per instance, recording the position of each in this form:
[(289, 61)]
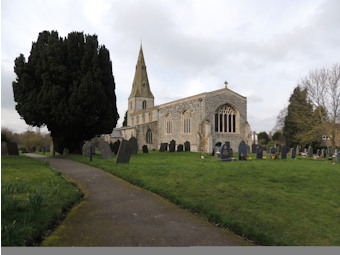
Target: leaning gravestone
[(133, 145), (180, 148), (310, 152), (12, 148), (172, 146), (225, 153), (164, 147), (284, 152), (187, 146), (4, 150), (145, 149), (124, 152), (87, 149), (105, 149), (259, 152), (293, 153), (242, 151)]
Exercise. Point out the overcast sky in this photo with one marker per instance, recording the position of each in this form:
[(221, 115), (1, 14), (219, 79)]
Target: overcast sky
[(262, 48)]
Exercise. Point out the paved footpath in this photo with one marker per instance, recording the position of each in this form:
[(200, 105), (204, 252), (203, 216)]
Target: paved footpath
[(116, 213)]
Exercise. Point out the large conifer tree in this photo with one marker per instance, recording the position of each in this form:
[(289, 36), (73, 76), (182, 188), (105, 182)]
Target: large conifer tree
[(67, 84)]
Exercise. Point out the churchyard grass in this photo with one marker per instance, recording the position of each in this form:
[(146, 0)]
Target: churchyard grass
[(272, 202), (34, 198)]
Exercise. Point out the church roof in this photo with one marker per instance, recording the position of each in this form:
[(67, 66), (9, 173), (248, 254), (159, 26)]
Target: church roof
[(140, 86)]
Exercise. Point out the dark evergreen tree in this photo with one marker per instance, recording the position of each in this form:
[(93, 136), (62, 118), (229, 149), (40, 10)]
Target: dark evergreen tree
[(67, 84), (125, 119)]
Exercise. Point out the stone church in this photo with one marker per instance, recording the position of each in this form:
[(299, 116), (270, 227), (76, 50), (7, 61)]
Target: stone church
[(203, 120)]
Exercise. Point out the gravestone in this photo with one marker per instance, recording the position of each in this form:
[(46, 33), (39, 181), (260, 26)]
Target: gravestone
[(87, 149), (330, 152), (4, 150), (336, 152), (172, 146), (66, 151), (145, 149), (272, 151), (105, 149), (187, 146), (283, 152), (225, 153), (323, 153), (217, 151), (298, 150), (124, 152), (133, 145), (12, 149), (293, 153), (242, 151), (253, 148), (306, 150), (180, 148), (259, 152), (164, 147), (338, 156), (310, 152), (318, 152), (115, 147)]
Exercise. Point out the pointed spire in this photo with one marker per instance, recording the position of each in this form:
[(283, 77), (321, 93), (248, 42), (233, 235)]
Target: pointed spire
[(140, 86)]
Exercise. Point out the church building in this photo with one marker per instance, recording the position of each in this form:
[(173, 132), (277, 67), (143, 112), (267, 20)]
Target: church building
[(203, 120)]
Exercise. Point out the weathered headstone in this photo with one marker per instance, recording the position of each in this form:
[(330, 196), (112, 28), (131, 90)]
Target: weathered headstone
[(283, 152), (187, 146), (259, 152), (225, 153), (338, 156), (253, 148), (217, 151), (105, 149), (298, 150), (293, 153), (87, 149), (164, 147), (272, 151), (310, 152), (4, 150), (115, 147), (133, 145), (318, 152), (124, 152), (172, 146), (242, 151), (180, 148), (66, 151), (145, 149), (323, 153), (306, 150), (12, 148)]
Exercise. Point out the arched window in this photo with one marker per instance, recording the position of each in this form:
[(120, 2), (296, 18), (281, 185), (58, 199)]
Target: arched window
[(225, 119), (144, 104), (149, 136), (168, 124), (186, 119)]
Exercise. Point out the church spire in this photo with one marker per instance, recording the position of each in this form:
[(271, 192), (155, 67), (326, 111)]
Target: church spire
[(140, 86)]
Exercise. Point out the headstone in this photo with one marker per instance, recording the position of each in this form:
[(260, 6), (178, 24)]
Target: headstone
[(145, 149), (133, 145), (284, 152), (12, 148), (298, 150), (293, 153), (330, 152), (115, 147), (105, 149), (4, 150), (124, 152), (272, 151), (164, 147), (217, 151), (318, 152), (225, 153), (180, 148), (66, 151), (310, 152), (323, 153), (172, 146), (87, 149), (336, 152), (253, 148), (242, 151), (259, 152), (338, 156), (306, 150), (187, 146)]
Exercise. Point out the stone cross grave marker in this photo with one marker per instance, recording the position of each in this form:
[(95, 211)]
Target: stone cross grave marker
[(105, 149), (124, 152), (225, 153), (293, 153), (145, 149), (310, 152), (180, 148), (133, 145), (284, 152), (259, 152), (172, 146), (4, 150), (187, 146), (242, 151)]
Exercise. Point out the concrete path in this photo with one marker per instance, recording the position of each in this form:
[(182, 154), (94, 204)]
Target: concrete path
[(116, 213)]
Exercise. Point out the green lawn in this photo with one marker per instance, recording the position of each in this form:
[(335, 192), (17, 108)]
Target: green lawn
[(34, 198), (272, 202)]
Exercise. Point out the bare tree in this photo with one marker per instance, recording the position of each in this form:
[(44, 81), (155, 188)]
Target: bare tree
[(323, 87), (280, 120)]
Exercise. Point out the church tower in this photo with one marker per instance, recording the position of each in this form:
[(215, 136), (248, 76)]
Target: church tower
[(141, 97)]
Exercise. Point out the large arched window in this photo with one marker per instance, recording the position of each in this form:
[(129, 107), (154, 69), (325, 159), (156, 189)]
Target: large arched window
[(168, 124), (186, 119), (149, 136), (225, 119)]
